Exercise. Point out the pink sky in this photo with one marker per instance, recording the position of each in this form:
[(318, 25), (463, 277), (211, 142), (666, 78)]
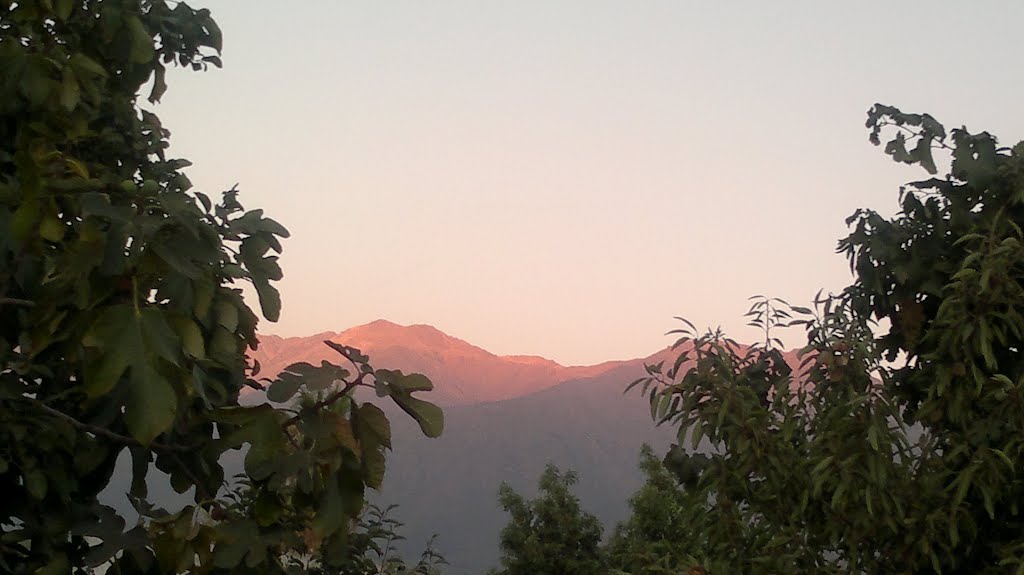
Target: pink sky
[(561, 178)]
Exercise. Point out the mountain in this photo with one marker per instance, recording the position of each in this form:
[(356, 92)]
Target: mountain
[(462, 373), (505, 418)]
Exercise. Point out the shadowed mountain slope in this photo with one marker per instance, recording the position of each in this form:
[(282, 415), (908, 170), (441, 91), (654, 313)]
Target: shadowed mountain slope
[(449, 485)]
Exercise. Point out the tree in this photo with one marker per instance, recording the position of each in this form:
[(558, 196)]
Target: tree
[(379, 533), (655, 538), (122, 329), (371, 550), (896, 446), (552, 534)]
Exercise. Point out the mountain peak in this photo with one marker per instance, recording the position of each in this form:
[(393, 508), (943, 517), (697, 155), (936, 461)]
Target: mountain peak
[(386, 333), (385, 325), (380, 323)]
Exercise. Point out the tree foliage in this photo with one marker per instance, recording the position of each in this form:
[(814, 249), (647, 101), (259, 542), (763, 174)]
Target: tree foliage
[(896, 446), (551, 534), (371, 550), (654, 539), (122, 328)]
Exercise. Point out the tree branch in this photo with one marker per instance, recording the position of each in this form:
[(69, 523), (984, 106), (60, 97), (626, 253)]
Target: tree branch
[(110, 435), (941, 143), (329, 400), (16, 301), (173, 449)]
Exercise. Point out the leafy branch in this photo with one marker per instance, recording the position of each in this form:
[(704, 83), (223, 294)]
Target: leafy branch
[(329, 399), (922, 133), (110, 435)]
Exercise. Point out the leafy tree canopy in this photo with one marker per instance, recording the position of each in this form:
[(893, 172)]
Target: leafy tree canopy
[(371, 550), (122, 329), (897, 446), (551, 534), (653, 540)]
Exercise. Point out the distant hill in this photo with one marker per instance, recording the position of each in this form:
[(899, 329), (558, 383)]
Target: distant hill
[(462, 373)]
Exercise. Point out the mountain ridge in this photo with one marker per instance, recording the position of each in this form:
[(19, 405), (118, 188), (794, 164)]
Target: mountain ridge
[(462, 372)]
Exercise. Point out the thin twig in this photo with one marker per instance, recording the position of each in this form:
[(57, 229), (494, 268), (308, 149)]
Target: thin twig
[(329, 400), (941, 143)]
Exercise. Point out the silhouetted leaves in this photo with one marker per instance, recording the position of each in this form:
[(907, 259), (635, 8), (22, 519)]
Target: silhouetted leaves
[(123, 326), (551, 533), (893, 448)]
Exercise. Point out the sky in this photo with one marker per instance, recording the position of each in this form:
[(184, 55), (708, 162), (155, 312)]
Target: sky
[(561, 178)]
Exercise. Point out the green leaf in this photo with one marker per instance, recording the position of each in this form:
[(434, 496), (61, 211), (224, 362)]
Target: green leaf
[(429, 416), (214, 35), (315, 378), (342, 430), (370, 420), (663, 404), (152, 404), (1002, 455), (176, 256), (142, 50), (227, 314), (134, 341), (81, 62), (270, 300), (413, 382), (963, 485), (51, 229), (986, 495), (70, 93), (35, 482), (269, 225), (267, 442), (331, 513), (191, 337), (374, 465), (77, 168), (283, 389), (63, 9), (923, 154), (159, 83), (821, 465), (201, 384), (98, 204)]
